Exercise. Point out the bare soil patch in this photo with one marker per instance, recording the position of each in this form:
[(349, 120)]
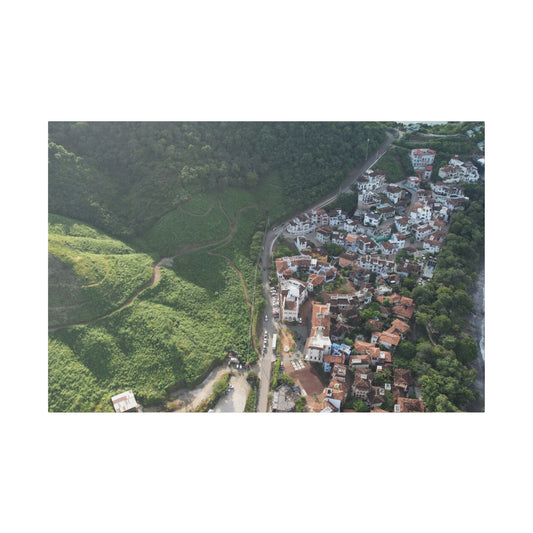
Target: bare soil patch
[(287, 342), (307, 378)]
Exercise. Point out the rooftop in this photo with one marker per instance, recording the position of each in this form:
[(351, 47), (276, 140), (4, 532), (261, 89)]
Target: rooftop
[(124, 401)]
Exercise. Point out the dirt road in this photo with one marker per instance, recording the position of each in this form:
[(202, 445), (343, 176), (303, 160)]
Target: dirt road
[(184, 401)]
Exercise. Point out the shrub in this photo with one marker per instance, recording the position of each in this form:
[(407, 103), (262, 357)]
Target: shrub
[(300, 404), (275, 374), (251, 401), (219, 387), (283, 379)]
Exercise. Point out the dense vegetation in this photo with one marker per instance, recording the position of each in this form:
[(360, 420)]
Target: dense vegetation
[(219, 388), (89, 273), (446, 147), (251, 401), (396, 164), (172, 333), (347, 201), (205, 190), (124, 176), (443, 350)]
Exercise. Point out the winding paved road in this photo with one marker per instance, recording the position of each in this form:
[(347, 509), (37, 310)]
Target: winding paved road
[(270, 326)]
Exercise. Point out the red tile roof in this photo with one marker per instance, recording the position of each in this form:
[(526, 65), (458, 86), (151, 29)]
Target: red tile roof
[(315, 279), (334, 358), (362, 347), (363, 359), (402, 378), (400, 325), (410, 405), (361, 385), (389, 338)]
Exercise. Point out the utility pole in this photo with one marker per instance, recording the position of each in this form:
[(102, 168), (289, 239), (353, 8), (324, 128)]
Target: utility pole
[(367, 142)]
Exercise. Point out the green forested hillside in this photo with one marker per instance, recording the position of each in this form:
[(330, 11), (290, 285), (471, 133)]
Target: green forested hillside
[(125, 176), (89, 273), (203, 191), (171, 334)]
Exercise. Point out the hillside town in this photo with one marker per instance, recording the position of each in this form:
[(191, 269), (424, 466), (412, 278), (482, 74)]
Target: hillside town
[(391, 239)]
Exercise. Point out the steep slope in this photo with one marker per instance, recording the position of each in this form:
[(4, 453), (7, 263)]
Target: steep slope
[(125, 176), (89, 273), (200, 192)]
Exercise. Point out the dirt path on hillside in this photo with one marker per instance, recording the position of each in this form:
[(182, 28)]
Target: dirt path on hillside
[(184, 400), (169, 261), (231, 264)]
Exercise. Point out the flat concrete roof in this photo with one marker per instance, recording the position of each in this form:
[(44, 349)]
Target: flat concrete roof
[(124, 401)]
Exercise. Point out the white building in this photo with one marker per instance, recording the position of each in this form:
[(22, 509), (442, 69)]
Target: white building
[(456, 170), (414, 182), (422, 157), (372, 219), (349, 225), (420, 213), (300, 224), (323, 234), (402, 223), (125, 401), (398, 241), (370, 180), (448, 190), (376, 263), (422, 231), (319, 343), (301, 243), (394, 193)]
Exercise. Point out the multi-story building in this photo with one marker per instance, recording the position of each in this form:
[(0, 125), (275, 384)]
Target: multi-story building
[(422, 157), (318, 342), (293, 295)]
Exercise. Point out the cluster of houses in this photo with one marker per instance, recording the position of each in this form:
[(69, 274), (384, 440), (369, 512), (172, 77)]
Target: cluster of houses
[(365, 359), (457, 170), (294, 292), (367, 257), (426, 222), (364, 234)]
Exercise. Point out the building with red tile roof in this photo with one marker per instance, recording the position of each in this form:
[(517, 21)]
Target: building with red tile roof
[(403, 378), (409, 405), (318, 343), (360, 361), (399, 326)]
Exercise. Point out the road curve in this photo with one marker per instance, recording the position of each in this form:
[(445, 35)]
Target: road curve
[(270, 326)]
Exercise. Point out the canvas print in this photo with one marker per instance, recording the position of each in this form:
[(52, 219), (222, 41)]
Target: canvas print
[(303, 267)]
